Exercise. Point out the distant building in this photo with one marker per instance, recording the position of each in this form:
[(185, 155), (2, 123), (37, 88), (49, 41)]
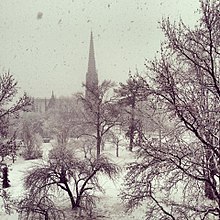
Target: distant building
[(41, 105), (91, 75)]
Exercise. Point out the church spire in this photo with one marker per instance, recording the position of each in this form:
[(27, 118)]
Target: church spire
[(91, 64), (91, 75), (52, 101), (52, 96)]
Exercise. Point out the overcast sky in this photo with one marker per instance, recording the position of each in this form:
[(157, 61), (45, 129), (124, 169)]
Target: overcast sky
[(45, 43)]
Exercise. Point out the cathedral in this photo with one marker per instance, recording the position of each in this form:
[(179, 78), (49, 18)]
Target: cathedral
[(91, 86)]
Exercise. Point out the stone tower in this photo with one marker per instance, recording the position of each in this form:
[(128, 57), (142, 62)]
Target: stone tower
[(91, 75)]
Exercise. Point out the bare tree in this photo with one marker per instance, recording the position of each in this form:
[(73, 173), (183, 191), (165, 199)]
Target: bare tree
[(63, 119), (129, 95), (68, 172), (116, 138), (37, 206), (8, 108), (30, 131), (101, 113), (180, 177), (8, 90)]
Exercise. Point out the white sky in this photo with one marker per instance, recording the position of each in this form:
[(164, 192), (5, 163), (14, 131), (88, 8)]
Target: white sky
[(51, 53)]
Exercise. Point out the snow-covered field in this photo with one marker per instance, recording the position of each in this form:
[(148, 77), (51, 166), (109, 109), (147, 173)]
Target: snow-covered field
[(109, 204)]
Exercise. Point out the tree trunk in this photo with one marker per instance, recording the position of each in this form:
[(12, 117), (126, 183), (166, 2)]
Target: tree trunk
[(160, 137), (78, 200), (131, 143), (73, 203), (98, 136), (98, 146), (210, 170), (117, 150), (103, 145), (210, 173), (46, 216), (5, 181), (132, 125)]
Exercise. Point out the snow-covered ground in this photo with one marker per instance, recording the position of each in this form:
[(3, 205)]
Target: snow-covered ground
[(109, 205)]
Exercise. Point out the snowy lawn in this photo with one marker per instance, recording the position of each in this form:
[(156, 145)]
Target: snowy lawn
[(109, 204)]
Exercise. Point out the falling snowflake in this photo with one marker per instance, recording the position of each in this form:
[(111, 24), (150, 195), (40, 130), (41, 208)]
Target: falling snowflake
[(39, 15)]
